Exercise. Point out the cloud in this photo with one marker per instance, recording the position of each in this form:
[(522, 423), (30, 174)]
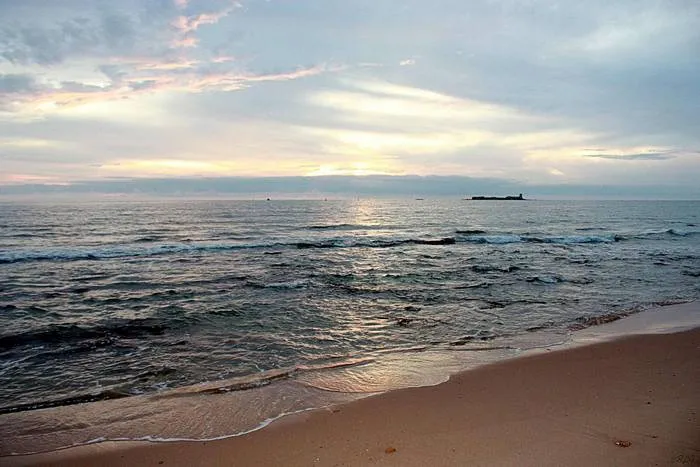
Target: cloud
[(28, 96), (22, 44), (336, 186), (540, 91), (103, 29), (651, 156), (16, 83), (639, 154), (186, 26), (136, 49), (397, 127)]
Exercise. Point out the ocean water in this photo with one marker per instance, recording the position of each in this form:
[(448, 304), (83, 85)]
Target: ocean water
[(141, 300)]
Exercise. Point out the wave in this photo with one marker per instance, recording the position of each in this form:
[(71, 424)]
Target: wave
[(321, 244), (148, 239), (662, 233), (349, 227), (240, 383), (8, 257), (22, 235), (555, 279), (332, 227), (470, 232), (554, 239), (68, 333), (140, 249), (546, 279), (484, 269), (410, 241), (71, 400), (493, 239), (506, 238), (681, 233), (297, 284)]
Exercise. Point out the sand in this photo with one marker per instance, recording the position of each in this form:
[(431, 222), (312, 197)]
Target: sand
[(630, 402)]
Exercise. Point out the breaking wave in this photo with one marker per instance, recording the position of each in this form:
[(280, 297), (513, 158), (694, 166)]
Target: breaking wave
[(65, 333), (475, 236), (556, 239), (240, 383)]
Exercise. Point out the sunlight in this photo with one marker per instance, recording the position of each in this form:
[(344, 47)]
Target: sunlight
[(144, 109), (27, 143), (354, 169), (384, 99)]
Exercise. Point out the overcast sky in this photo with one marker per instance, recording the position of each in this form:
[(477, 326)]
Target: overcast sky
[(537, 92)]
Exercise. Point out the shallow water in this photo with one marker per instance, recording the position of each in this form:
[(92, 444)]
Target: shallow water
[(110, 300), (223, 409)]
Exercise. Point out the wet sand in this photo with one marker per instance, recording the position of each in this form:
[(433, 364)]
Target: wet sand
[(630, 402)]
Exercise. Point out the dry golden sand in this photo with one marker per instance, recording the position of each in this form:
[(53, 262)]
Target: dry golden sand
[(630, 402)]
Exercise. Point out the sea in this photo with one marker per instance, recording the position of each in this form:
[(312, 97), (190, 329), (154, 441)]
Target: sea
[(176, 319)]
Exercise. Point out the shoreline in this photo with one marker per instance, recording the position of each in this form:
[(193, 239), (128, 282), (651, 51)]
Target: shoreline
[(593, 384), (225, 409)]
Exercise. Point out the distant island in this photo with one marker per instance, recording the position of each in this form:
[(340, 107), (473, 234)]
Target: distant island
[(499, 198)]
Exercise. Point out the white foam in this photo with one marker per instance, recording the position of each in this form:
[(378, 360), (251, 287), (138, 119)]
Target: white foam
[(658, 320)]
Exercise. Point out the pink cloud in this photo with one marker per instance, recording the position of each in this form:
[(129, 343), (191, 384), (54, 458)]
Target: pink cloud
[(222, 59), (148, 78), (25, 178), (184, 42), (180, 64), (186, 26)]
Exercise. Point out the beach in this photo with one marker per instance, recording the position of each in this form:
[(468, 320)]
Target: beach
[(349, 233), (352, 332), (632, 401)]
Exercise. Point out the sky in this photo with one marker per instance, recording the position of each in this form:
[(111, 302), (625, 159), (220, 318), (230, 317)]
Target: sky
[(515, 93)]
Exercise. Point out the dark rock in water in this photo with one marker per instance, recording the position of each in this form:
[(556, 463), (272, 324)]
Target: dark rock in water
[(412, 308)]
